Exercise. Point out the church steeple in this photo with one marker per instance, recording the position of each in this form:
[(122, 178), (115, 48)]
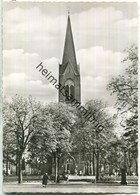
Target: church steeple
[(69, 71), (69, 49)]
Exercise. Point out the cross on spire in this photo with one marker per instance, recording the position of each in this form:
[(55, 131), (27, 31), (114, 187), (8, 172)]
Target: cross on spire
[(68, 11)]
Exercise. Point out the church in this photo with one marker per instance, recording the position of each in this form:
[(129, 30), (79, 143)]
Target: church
[(69, 76)]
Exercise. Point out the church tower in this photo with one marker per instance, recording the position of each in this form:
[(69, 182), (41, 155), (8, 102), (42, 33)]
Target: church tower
[(69, 72)]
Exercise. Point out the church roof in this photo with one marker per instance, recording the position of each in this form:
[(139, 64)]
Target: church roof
[(69, 50)]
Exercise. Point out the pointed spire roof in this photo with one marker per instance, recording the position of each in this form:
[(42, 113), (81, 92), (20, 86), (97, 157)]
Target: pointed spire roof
[(69, 50)]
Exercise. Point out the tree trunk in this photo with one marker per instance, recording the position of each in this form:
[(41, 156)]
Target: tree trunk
[(93, 162), (16, 165), (90, 169), (36, 164), (50, 165), (104, 167), (7, 163), (129, 163), (16, 169), (100, 166), (136, 166), (110, 170), (129, 170), (123, 177), (56, 166), (97, 166), (87, 168), (20, 169)]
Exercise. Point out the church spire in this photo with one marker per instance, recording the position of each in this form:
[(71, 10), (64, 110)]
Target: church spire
[(69, 72), (69, 50)]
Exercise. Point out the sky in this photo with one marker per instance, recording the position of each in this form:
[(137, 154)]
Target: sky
[(35, 32)]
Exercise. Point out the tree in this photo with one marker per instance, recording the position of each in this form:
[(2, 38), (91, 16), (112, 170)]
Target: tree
[(125, 87), (100, 139), (20, 116), (53, 135), (42, 143), (88, 140), (63, 120)]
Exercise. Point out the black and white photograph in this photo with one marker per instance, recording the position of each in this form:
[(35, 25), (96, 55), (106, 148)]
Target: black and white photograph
[(70, 97)]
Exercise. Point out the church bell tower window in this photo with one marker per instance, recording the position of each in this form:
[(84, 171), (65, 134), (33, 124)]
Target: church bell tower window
[(69, 86)]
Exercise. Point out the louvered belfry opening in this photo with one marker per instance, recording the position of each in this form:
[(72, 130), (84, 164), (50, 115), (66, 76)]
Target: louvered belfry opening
[(69, 86)]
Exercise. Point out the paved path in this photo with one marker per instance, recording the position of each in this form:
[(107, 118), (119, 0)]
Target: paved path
[(36, 188)]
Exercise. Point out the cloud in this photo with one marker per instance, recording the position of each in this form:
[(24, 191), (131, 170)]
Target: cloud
[(96, 68), (96, 61), (32, 30), (31, 36), (21, 75), (131, 23), (16, 60), (35, 31), (21, 84)]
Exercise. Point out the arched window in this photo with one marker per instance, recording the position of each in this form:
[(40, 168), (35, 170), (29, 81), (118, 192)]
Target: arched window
[(69, 86)]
